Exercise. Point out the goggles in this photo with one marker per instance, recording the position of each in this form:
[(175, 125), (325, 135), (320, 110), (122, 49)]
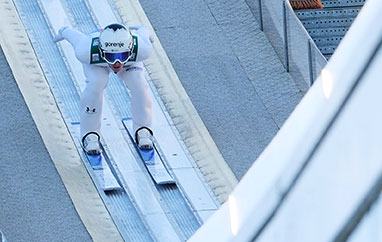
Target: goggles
[(112, 58)]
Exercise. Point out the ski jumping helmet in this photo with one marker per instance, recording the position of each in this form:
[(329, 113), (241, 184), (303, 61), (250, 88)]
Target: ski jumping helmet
[(116, 43)]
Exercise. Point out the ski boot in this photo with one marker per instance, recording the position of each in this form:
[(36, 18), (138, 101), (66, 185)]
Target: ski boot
[(90, 143), (144, 138)]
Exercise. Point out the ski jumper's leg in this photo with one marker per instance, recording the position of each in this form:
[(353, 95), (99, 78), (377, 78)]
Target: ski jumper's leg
[(96, 81), (141, 102), (92, 98)]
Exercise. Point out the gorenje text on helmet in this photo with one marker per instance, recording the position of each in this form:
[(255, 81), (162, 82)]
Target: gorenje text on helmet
[(114, 44)]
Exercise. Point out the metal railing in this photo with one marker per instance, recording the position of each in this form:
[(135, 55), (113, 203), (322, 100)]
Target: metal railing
[(292, 43)]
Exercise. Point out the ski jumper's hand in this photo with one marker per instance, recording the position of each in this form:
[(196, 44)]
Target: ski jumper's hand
[(137, 27)]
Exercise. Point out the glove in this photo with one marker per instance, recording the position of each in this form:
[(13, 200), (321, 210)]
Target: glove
[(137, 27)]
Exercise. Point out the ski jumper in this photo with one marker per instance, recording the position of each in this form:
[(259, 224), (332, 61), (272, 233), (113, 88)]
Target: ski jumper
[(97, 71)]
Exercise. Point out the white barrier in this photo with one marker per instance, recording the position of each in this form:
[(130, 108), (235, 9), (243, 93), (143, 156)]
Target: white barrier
[(321, 173)]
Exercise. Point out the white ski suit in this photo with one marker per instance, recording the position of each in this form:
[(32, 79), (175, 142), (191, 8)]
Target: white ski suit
[(97, 76)]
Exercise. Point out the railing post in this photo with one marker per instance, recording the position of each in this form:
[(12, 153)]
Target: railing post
[(261, 15), (2, 237), (310, 62), (285, 37)]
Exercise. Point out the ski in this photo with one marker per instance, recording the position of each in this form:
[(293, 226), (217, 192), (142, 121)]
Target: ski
[(100, 164), (153, 159), (102, 172)]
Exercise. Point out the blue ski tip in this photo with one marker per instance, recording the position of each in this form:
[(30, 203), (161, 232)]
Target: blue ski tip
[(95, 161), (148, 156)]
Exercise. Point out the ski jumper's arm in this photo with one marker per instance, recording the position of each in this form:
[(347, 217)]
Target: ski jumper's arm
[(143, 41)]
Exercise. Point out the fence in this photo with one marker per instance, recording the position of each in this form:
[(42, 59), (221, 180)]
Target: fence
[(292, 43)]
